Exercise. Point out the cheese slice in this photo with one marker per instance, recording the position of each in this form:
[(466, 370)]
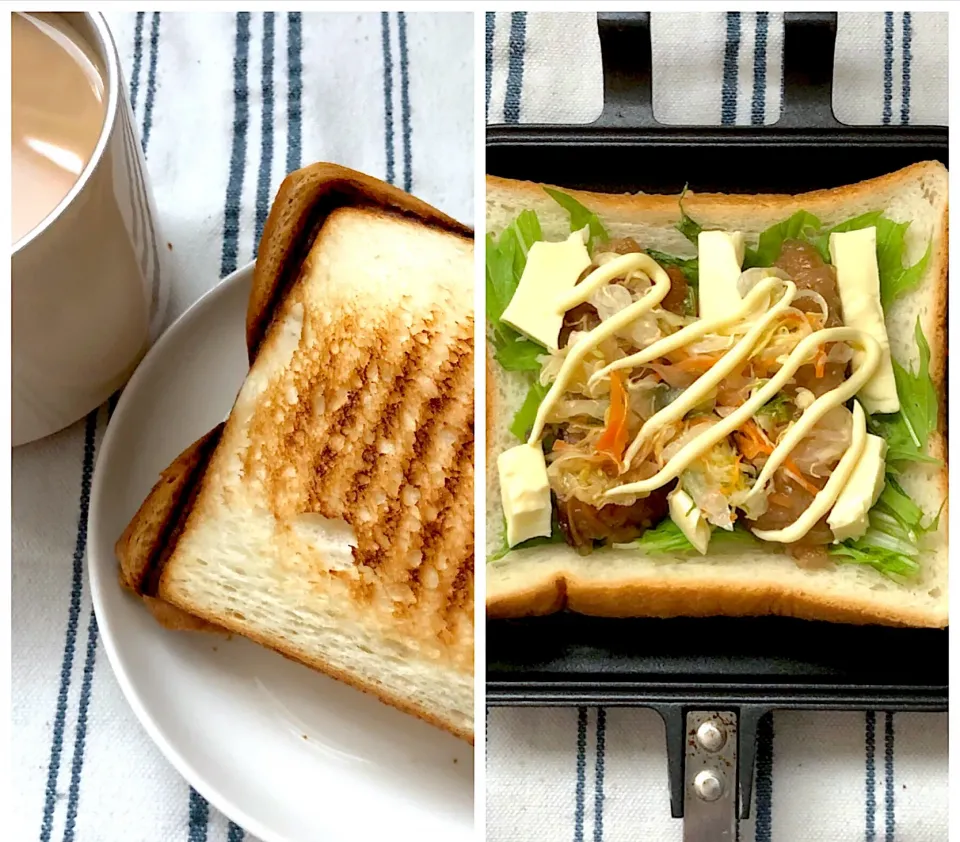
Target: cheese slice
[(854, 255), (552, 270), (524, 493), (685, 514), (720, 257), (827, 496), (848, 517)]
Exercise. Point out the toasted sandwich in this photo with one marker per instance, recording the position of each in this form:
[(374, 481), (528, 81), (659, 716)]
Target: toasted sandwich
[(331, 516), (719, 404)]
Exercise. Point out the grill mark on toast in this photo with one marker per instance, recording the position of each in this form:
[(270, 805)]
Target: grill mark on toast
[(384, 530), (346, 414), (355, 472), (437, 500), (442, 538)]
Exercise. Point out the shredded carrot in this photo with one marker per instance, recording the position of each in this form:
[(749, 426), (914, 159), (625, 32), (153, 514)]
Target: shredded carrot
[(821, 362), (698, 363), (560, 444), (752, 441), (613, 441), (795, 472)]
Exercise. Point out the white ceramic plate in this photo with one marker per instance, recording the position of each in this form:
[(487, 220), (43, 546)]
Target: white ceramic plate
[(285, 752)]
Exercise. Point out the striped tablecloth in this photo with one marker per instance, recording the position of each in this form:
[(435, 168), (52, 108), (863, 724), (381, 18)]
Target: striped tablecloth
[(226, 105), (601, 774)]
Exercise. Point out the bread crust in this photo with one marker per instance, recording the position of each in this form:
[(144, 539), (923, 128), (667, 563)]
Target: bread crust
[(151, 534), (667, 598), (558, 585), (305, 199)]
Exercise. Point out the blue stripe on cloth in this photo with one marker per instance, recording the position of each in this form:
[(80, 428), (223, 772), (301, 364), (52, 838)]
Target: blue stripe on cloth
[(763, 789), (907, 59), (731, 54), (488, 60), (137, 58), (758, 106), (266, 129), (199, 816), (598, 788), (238, 154), (405, 101), (73, 617), (515, 52), (887, 67), (151, 80), (889, 797), (581, 773), (387, 96), (80, 739), (294, 90), (870, 742), (235, 833)]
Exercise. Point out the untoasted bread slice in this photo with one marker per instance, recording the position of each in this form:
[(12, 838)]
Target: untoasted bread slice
[(626, 583)]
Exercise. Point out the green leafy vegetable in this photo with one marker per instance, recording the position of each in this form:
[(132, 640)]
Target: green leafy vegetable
[(907, 431), (666, 537), (893, 541), (686, 226), (690, 266), (800, 226), (506, 260), (779, 408), (580, 216), (895, 278), (527, 414), (519, 355)]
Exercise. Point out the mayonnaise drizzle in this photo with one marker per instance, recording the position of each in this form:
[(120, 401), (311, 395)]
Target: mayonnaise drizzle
[(650, 299), (697, 392), (620, 266), (827, 496), (798, 357), (691, 333), (873, 355)]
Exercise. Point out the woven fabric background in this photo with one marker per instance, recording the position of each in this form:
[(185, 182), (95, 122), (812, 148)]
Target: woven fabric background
[(226, 105), (601, 774)]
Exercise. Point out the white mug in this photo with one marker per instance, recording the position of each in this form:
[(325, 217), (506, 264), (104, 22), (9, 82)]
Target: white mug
[(88, 284)]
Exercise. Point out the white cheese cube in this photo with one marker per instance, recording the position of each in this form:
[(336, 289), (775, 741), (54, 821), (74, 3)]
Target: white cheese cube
[(854, 255), (551, 272), (721, 257), (848, 518), (685, 514), (524, 493)]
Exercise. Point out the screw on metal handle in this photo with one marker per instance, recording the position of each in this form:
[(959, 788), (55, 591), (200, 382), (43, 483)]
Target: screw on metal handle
[(710, 775)]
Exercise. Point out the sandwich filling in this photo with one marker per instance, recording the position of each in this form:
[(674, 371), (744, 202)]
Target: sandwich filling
[(746, 394)]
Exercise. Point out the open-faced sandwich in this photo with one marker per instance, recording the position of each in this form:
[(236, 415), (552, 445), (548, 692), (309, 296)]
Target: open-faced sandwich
[(719, 404)]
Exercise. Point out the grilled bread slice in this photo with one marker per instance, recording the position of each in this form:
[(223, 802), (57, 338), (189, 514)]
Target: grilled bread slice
[(622, 583), (331, 518)]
